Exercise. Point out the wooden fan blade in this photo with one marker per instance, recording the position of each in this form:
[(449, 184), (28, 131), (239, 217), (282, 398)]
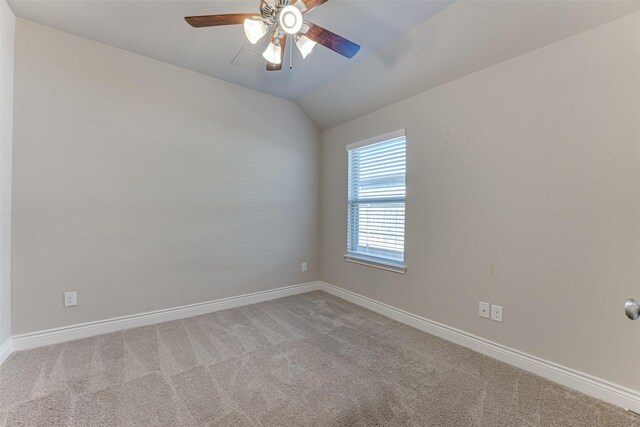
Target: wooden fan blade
[(311, 4), (331, 40), (278, 67), (217, 20)]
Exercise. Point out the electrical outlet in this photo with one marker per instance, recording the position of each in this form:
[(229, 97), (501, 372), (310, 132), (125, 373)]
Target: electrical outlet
[(304, 266), (483, 310), (70, 299), (496, 313)]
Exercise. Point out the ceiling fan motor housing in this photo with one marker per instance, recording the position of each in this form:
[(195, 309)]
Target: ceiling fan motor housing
[(269, 8)]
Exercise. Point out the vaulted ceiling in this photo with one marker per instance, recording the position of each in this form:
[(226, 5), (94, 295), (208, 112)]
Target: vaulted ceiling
[(408, 46), (462, 39)]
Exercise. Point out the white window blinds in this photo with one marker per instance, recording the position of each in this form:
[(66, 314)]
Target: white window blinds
[(376, 200)]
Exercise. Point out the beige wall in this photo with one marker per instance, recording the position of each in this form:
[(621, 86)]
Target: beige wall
[(7, 35), (524, 191), (144, 186)]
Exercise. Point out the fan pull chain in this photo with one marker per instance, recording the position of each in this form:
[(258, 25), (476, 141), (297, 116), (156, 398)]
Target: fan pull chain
[(291, 53)]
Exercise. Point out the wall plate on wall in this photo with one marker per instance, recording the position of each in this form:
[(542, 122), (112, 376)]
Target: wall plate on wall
[(70, 299), (484, 310), (496, 313)]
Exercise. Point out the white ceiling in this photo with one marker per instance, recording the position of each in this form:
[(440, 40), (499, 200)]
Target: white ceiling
[(408, 46), (156, 28)]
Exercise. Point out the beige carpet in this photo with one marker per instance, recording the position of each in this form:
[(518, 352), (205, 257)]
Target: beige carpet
[(307, 360)]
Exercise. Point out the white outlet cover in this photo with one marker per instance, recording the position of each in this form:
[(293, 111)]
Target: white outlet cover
[(496, 313), (483, 310), (70, 299), (304, 266)]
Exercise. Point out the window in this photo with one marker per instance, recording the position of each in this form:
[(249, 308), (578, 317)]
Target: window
[(376, 201)]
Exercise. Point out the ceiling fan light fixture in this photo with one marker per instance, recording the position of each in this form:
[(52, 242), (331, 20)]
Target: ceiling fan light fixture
[(290, 19), (305, 45), (281, 19), (273, 53), (254, 29)]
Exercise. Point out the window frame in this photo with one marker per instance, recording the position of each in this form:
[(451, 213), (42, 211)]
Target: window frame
[(374, 261)]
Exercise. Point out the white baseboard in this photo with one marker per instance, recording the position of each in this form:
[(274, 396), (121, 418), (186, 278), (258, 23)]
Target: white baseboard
[(84, 330), (584, 383), (6, 349)]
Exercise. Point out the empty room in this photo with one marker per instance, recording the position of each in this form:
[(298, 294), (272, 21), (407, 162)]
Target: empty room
[(276, 213)]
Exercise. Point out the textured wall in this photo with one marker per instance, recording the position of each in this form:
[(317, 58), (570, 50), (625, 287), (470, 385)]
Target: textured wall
[(523, 190), (145, 186)]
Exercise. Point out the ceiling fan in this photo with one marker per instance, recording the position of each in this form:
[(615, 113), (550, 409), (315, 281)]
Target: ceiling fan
[(281, 18)]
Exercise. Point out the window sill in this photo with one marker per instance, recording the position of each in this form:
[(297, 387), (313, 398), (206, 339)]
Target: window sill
[(394, 267)]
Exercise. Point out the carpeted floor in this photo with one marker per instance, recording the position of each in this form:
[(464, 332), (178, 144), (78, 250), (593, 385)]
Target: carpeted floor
[(307, 360)]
